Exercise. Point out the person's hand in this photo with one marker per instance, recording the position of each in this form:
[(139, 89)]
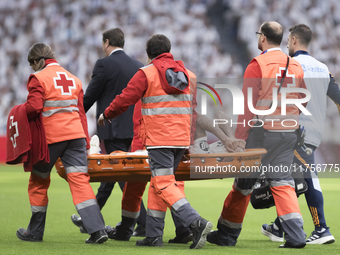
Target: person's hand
[(241, 143), (185, 157), (232, 144), (238, 149), (101, 120)]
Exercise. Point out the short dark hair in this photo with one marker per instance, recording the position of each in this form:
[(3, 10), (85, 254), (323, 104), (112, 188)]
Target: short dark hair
[(274, 35), (157, 45), (302, 32), (115, 37)]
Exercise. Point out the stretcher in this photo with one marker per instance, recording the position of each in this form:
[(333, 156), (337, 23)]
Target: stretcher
[(124, 166)]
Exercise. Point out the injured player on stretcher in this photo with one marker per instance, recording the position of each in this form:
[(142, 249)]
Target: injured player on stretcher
[(227, 141)]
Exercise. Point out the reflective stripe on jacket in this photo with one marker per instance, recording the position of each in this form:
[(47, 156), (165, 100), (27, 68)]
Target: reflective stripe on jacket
[(166, 118), (60, 112)]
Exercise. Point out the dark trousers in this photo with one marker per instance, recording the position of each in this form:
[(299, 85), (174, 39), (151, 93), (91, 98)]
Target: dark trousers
[(164, 192), (105, 188), (280, 153), (73, 156)]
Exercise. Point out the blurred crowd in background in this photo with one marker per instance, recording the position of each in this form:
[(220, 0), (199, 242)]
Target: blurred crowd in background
[(321, 16), (73, 28)]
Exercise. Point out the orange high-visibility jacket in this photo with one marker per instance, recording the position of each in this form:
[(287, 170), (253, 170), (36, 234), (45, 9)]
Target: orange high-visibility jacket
[(60, 112), (272, 66), (166, 118)]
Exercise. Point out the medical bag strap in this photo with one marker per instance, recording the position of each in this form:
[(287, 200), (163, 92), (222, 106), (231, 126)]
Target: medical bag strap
[(283, 77)]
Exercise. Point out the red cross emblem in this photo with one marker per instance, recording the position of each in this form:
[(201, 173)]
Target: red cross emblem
[(64, 83), (289, 81), (13, 131)]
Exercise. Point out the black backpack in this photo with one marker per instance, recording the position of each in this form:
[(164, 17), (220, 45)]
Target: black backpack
[(262, 197)]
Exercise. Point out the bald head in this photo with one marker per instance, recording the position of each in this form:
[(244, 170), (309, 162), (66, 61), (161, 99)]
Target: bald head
[(273, 32)]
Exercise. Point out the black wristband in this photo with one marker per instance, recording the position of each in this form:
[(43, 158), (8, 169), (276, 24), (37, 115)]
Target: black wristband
[(104, 116)]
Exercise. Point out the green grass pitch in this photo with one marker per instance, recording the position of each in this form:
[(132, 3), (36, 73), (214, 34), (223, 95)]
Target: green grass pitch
[(207, 197)]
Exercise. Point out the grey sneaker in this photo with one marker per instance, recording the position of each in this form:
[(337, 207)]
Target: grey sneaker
[(79, 223), (200, 229)]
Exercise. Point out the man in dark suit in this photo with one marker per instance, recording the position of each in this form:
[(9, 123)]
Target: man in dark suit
[(110, 76)]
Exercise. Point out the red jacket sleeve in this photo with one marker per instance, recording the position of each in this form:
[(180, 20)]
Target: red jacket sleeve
[(252, 78), (129, 96), (35, 98), (137, 143), (83, 118)]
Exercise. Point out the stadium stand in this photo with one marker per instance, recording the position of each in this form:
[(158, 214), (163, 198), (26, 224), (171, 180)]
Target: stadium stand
[(73, 29)]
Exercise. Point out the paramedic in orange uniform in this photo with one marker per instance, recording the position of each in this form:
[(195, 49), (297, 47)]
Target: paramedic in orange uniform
[(164, 89), (58, 95), (133, 193), (262, 75)]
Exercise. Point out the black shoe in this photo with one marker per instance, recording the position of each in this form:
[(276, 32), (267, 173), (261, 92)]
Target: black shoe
[(97, 237), (200, 229), (213, 237), (112, 234), (23, 235), (139, 231), (186, 238), (288, 245), (79, 223), (150, 241)]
